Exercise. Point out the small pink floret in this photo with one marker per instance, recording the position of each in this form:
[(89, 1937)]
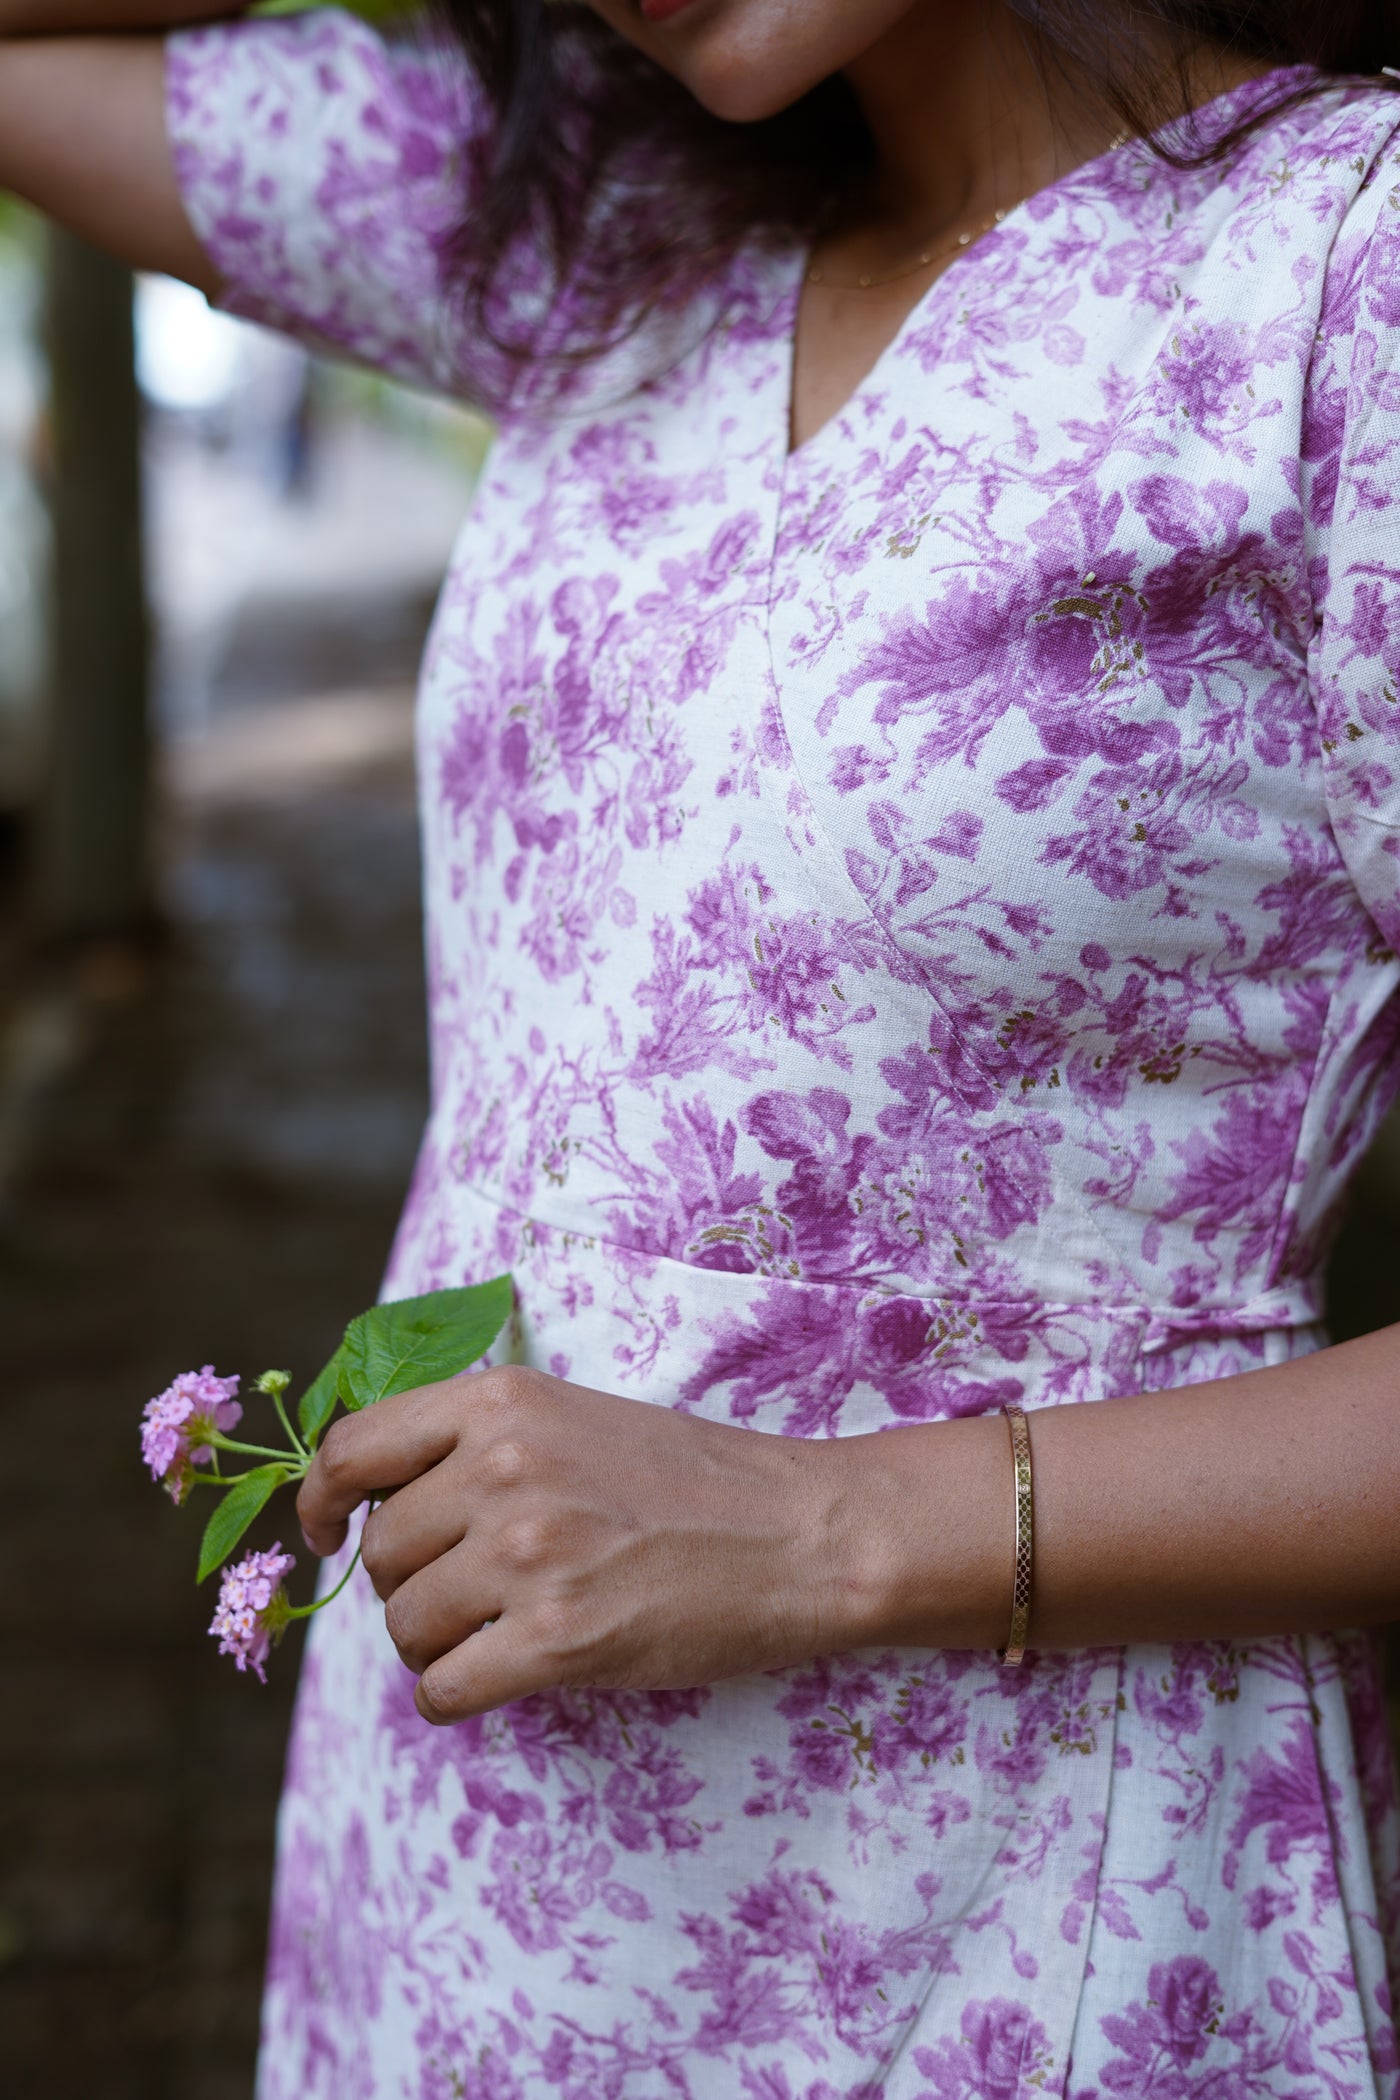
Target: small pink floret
[(177, 1424), (252, 1609)]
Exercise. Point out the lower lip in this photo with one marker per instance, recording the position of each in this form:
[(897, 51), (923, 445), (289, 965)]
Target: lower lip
[(663, 10)]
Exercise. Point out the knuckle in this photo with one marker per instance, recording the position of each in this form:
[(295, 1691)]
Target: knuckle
[(513, 1386), (505, 1464), (336, 1450), (525, 1543), (398, 1621), (435, 1702), (373, 1550)]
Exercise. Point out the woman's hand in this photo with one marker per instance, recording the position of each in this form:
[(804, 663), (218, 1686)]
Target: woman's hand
[(619, 1544), (540, 1534)]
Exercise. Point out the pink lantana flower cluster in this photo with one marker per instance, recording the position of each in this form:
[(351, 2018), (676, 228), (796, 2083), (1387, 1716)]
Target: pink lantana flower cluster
[(177, 1426), (186, 1443), (253, 1610)]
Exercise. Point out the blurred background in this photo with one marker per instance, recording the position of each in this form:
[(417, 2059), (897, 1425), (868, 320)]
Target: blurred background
[(217, 562)]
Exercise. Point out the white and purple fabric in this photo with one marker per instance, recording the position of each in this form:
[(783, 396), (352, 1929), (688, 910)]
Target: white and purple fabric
[(912, 925)]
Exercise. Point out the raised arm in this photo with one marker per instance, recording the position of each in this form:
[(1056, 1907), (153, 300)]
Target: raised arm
[(82, 125)]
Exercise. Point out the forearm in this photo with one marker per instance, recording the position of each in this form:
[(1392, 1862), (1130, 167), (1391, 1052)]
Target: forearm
[(51, 18), (532, 1533), (1267, 1503), (83, 137)]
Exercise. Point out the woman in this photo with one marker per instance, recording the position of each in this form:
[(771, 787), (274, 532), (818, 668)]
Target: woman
[(911, 769)]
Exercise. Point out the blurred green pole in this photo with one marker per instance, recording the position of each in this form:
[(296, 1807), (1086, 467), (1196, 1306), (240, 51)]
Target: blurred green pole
[(93, 857)]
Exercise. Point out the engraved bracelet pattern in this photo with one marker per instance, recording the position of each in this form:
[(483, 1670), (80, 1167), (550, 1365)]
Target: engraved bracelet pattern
[(1025, 1538)]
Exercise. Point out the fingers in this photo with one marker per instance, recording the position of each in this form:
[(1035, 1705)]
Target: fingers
[(473, 1651), (414, 1527), (442, 1605), (491, 1668), (369, 1453)]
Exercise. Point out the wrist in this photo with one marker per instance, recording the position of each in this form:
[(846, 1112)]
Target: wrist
[(924, 1540)]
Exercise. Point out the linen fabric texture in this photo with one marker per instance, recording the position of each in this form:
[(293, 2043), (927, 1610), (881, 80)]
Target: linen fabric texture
[(911, 927)]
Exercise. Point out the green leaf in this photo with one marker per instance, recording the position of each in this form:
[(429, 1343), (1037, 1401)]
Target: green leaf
[(235, 1513), (414, 1341), (317, 1403)]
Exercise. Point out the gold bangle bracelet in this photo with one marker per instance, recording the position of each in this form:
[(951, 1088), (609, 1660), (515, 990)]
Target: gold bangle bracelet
[(1015, 1647)]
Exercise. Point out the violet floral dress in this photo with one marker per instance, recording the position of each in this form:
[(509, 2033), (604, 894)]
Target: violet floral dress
[(912, 926)]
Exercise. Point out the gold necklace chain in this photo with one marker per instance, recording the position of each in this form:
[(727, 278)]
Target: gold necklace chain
[(929, 253)]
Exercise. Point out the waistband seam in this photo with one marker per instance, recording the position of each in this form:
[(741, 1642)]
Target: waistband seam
[(1282, 1306)]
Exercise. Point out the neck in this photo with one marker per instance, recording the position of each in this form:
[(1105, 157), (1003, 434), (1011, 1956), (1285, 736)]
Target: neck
[(969, 118)]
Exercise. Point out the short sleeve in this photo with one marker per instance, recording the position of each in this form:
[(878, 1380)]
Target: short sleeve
[(323, 169), (1355, 485)]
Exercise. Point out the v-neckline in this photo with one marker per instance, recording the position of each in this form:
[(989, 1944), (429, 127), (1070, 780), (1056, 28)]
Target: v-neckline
[(797, 458)]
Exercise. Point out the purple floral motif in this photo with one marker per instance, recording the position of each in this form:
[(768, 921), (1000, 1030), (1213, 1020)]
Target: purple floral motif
[(928, 1722), (912, 924), (1001, 2053), (1289, 1800), (1172, 2031)]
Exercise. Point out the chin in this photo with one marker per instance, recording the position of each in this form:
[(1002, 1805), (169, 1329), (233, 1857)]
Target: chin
[(744, 60), (734, 93)]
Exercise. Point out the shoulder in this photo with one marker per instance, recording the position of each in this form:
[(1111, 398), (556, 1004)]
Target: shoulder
[(1284, 193), (1355, 364), (1325, 173), (1329, 141), (1363, 274), (323, 69), (323, 167)]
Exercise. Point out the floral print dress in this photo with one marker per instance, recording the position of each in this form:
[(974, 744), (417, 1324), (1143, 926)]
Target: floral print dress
[(912, 926)]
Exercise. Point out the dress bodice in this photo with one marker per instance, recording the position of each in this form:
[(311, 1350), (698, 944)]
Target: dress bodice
[(911, 925)]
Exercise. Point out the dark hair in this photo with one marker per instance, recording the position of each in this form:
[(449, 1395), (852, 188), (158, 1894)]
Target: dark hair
[(582, 119)]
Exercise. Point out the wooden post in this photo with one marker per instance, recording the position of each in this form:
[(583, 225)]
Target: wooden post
[(93, 858)]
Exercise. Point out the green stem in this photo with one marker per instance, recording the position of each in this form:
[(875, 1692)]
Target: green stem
[(304, 1611), (285, 1457), (283, 1418)]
